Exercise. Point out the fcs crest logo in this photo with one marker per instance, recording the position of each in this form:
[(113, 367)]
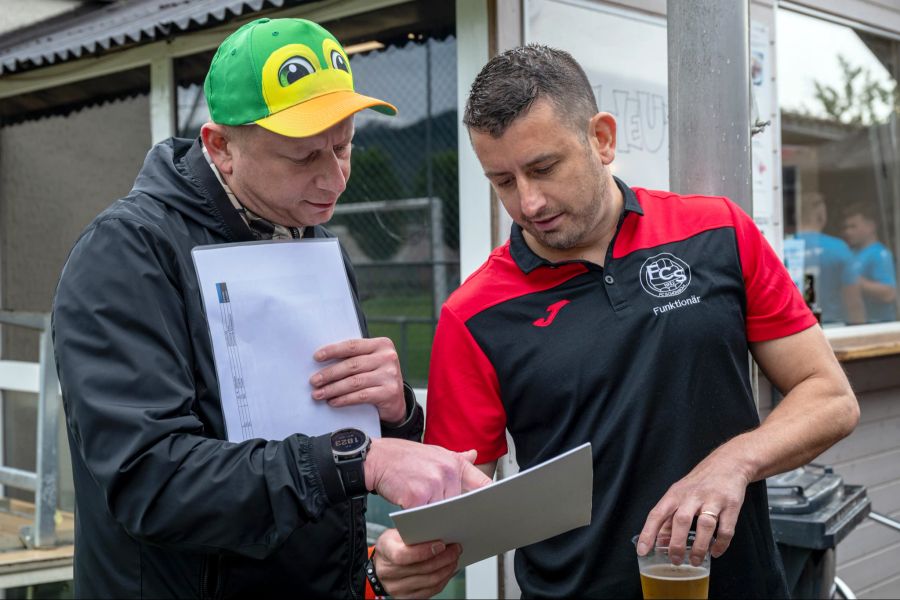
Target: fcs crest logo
[(665, 275)]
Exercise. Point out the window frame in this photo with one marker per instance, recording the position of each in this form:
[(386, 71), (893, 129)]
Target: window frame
[(838, 333)]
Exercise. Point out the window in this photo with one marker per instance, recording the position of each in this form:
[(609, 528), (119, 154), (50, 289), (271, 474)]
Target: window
[(839, 106)]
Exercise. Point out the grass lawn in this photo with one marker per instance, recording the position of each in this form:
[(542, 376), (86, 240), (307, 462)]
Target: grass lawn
[(413, 344)]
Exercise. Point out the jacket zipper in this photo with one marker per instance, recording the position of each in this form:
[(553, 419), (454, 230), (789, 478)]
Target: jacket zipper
[(209, 589), (352, 548), (204, 576)]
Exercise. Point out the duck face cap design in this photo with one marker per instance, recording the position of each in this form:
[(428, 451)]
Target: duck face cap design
[(289, 76)]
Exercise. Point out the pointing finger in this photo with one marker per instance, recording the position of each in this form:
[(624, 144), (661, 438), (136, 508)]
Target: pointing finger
[(473, 478), (469, 455)]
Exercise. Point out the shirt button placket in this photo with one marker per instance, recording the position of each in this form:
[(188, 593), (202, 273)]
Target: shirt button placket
[(613, 292)]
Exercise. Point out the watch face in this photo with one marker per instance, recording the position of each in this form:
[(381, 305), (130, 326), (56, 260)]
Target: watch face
[(348, 441)]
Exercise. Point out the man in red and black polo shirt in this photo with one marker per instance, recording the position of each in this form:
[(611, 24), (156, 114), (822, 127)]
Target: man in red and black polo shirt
[(623, 317)]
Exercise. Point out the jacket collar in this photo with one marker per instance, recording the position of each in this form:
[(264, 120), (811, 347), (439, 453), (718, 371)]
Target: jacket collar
[(235, 227)]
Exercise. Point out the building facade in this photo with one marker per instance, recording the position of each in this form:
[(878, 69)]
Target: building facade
[(86, 91)]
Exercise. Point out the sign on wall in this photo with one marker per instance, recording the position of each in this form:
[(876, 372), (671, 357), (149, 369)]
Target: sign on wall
[(763, 142), (625, 57)]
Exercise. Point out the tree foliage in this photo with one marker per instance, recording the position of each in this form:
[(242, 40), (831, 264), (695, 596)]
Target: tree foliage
[(373, 177), (444, 185), (859, 100)]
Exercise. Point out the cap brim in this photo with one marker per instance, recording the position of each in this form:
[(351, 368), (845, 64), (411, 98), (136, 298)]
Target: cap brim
[(318, 114)]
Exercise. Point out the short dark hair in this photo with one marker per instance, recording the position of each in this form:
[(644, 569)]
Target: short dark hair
[(866, 211), (510, 82)]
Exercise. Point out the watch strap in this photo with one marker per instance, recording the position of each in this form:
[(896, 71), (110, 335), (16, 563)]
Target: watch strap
[(328, 471), (353, 477)]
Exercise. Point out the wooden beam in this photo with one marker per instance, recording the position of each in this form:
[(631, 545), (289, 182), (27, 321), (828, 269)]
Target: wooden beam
[(162, 99)]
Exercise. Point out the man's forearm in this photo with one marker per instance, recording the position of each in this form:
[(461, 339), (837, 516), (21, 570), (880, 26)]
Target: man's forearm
[(879, 291), (818, 409), (808, 421), (853, 302)]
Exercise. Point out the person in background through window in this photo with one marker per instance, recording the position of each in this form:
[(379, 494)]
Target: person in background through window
[(878, 280), (831, 262)]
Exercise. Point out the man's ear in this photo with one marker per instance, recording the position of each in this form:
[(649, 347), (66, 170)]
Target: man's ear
[(216, 141), (603, 132)]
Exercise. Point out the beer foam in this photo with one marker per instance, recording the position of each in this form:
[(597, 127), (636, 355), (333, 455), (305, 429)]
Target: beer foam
[(675, 572)]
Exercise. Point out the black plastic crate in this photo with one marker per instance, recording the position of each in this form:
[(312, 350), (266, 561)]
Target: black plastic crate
[(820, 519)]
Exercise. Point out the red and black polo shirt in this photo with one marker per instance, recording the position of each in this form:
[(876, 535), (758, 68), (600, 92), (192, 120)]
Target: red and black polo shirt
[(646, 358)]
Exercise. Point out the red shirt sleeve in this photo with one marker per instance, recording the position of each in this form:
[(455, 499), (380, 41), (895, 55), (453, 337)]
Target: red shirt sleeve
[(775, 308), (463, 409)]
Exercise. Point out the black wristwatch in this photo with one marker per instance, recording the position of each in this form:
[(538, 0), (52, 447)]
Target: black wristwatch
[(349, 447)]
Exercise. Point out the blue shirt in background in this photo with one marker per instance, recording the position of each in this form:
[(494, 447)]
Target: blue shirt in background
[(875, 262), (831, 262)]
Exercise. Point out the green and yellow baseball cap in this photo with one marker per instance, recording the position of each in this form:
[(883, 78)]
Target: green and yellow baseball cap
[(288, 75)]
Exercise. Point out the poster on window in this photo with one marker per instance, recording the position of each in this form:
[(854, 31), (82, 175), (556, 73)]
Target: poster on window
[(624, 54), (763, 142)]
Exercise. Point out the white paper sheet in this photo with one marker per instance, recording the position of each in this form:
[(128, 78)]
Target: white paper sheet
[(269, 307), (533, 505)]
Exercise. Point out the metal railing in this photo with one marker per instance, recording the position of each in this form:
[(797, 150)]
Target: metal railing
[(403, 323), (841, 589), (23, 377), (885, 520)]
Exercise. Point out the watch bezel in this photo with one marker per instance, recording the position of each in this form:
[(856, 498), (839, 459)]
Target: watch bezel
[(359, 447)]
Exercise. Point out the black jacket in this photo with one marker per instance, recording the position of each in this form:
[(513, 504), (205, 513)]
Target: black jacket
[(165, 506)]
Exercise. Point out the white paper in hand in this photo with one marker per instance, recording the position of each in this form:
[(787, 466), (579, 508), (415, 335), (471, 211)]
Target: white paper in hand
[(514, 512), (269, 307)]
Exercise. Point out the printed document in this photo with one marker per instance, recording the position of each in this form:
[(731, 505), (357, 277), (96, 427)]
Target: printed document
[(514, 512), (269, 306)]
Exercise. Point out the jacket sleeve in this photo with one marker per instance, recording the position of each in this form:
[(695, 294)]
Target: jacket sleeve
[(126, 367), (412, 427)]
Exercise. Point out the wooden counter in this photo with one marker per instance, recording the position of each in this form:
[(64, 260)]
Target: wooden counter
[(22, 566), (870, 345)]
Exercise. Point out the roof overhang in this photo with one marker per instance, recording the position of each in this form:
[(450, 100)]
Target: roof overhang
[(119, 25)]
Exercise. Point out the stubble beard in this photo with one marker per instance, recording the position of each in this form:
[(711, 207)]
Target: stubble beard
[(580, 224)]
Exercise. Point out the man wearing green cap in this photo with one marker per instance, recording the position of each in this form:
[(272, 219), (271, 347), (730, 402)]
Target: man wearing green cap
[(166, 506)]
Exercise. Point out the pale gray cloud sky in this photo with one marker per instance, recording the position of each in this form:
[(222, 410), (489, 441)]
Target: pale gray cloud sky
[(807, 51)]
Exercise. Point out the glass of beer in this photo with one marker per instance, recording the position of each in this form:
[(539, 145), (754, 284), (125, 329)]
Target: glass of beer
[(661, 579)]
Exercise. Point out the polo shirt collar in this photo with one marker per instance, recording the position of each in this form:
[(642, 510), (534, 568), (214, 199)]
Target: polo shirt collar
[(631, 201), (528, 261)]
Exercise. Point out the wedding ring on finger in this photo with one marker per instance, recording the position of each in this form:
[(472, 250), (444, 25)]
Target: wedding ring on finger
[(710, 514)]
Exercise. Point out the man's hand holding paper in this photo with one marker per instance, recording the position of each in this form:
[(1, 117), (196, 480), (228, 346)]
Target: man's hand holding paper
[(416, 571), (365, 371)]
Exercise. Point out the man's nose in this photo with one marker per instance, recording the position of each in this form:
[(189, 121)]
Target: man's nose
[(531, 199), (332, 178)]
